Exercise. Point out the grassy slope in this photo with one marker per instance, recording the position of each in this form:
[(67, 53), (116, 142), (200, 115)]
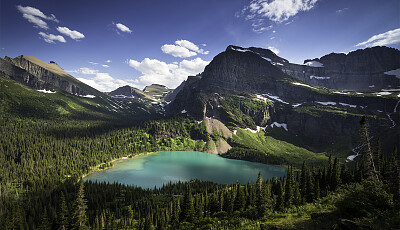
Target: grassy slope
[(21, 100), (282, 149)]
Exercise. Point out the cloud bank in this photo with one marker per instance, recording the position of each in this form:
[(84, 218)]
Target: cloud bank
[(388, 38), (170, 75), (70, 33), (183, 49), (35, 16), (51, 38), (99, 80)]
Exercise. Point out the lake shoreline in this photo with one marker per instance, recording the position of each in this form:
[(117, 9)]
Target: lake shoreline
[(130, 156), (97, 169), (207, 169)]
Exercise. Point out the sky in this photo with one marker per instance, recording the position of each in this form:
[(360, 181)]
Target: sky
[(108, 44)]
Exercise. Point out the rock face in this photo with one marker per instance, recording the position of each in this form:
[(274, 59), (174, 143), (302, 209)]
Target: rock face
[(358, 70), (38, 74), (258, 74), (128, 91)]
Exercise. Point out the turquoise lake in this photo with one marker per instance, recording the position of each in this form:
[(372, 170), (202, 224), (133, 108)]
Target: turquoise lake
[(159, 168)]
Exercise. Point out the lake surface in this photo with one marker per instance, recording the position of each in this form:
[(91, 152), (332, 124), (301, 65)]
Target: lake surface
[(159, 168)]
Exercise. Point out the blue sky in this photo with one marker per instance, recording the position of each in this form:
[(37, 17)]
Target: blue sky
[(108, 44)]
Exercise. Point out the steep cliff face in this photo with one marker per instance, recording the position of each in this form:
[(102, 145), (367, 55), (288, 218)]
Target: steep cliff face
[(358, 70), (39, 73), (233, 84)]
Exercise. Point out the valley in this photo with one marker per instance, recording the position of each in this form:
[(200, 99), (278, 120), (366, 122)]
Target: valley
[(248, 104)]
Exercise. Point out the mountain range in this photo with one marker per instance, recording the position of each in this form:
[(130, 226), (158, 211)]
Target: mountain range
[(316, 106)]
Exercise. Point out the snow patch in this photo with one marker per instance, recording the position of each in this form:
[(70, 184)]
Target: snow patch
[(314, 64), (280, 125), (88, 96), (251, 130), (234, 132), (267, 59), (275, 98), (45, 91), (391, 90), (184, 111), (319, 78), (371, 86), (296, 105), (301, 84), (382, 94), (395, 72), (326, 103), (344, 104), (338, 92)]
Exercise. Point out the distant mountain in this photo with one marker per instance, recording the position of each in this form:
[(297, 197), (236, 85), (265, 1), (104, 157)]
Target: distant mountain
[(370, 68), (154, 92), (52, 92), (35, 73), (250, 87), (128, 91)]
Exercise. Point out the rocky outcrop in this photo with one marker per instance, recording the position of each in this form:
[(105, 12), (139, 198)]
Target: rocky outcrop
[(250, 72), (128, 91), (358, 70), (38, 74)]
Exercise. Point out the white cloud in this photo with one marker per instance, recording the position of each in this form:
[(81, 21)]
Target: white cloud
[(35, 20), (388, 38), (342, 10), (70, 33), (36, 16), (105, 66), (100, 81), (183, 49), (177, 51), (274, 10), (171, 75), (93, 63), (274, 49), (123, 28), (108, 61), (50, 38), (279, 10)]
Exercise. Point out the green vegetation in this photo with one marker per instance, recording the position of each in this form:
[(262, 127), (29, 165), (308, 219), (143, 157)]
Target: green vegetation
[(266, 149), (242, 110), (48, 141)]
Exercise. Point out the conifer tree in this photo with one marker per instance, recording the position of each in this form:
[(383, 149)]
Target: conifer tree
[(62, 217), (367, 157), (279, 197), (44, 222), (289, 188), (335, 181), (187, 213), (79, 217), (239, 199), (261, 209)]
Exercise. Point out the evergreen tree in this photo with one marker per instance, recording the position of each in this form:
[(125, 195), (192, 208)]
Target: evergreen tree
[(289, 188), (367, 157), (187, 213), (261, 209), (279, 197), (335, 181), (239, 199), (79, 217), (44, 222), (62, 217)]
